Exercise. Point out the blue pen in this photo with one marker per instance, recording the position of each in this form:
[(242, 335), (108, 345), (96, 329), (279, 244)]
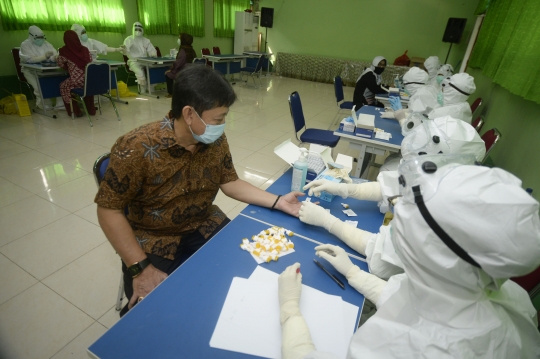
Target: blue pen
[(330, 274)]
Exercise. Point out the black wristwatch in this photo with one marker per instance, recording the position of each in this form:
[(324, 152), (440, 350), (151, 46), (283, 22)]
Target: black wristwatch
[(138, 267)]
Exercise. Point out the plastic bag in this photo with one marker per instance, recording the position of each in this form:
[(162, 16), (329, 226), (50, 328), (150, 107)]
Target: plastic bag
[(7, 105), (403, 60), (124, 90)]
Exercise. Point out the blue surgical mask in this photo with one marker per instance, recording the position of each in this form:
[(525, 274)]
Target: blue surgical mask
[(211, 133), (440, 79), (440, 98), (84, 37), (39, 42), (406, 92)]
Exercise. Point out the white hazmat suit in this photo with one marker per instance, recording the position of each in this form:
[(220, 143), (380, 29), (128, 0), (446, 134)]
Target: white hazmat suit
[(92, 44), (139, 46), (460, 232), (432, 65), (446, 71), (455, 93), (36, 49), (446, 135)]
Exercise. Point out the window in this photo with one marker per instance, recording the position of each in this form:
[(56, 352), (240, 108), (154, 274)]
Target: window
[(508, 46), (171, 17), (224, 14), (59, 15)]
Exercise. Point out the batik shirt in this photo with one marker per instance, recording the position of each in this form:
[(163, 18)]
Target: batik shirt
[(167, 190)]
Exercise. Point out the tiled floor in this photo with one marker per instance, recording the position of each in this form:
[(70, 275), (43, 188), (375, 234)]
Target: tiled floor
[(58, 274)]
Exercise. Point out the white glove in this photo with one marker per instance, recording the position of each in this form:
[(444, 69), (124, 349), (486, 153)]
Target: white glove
[(355, 238), (122, 49), (49, 54), (313, 214), (38, 59), (52, 58), (296, 340), (401, 114), (388, 114), (336, 256), (154, 55), (367, 284), (367, 191), (316, 187)]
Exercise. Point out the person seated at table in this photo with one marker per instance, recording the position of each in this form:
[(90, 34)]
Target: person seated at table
[(185, 56), (368, 84), (155, 200), (139, 46), (73, 57), (36, 49), (422, 97), (442, 135), (92, 44), (432, 66), (453, 98), (454, 299)]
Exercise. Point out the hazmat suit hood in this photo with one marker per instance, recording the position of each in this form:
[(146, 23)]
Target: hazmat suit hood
[(414, 79), (137, 25), (33, 32), (444, 135), (432, 65), (78, 29), (458, 88), (445, 70)]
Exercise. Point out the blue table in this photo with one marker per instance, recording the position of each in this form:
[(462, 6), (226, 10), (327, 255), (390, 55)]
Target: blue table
[(178, 318), (233, 63), (369, 217), (373, 145), (155, 70), (384, 99)]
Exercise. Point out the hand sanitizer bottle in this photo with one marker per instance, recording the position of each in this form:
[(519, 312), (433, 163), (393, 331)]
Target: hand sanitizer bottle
[(300, 171)]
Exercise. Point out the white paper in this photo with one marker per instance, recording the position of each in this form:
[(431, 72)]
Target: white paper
[(349, 212), (383, 135), (243, 327), (352, 223)]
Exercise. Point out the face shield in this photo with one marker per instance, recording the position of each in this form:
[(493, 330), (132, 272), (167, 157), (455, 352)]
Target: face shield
[(414, 120), (425, 139)]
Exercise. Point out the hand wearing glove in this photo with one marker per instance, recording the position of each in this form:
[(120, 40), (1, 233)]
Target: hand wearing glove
[(296, 340), (49, 54), (367, 284), (368, 191), (122, 49), (388, 114), (395, 102), (355, 238), (401, 114), (37, 59), (52, 58), (154, 55)]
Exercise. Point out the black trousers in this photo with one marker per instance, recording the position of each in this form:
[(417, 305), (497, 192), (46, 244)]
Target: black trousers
[(170, 83), (188, 246)]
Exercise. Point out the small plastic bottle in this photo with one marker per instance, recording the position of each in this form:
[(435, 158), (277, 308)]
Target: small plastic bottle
[(300, 168), (397, 83)]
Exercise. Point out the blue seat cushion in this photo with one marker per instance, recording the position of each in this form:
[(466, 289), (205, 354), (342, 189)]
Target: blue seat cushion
[(346, 105), (320, 137), (79, 92)]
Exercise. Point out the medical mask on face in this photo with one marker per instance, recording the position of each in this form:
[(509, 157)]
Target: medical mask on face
[(440, 98), (138, 33), (440, 79), (84, 37), (406, 92), (178, 42), (211, 133), (39, 42), (378, 70)]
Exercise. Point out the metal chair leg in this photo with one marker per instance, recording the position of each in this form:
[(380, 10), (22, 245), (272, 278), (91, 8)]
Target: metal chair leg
[(85, 110), (99, 104), (71, 107), (113, 105)]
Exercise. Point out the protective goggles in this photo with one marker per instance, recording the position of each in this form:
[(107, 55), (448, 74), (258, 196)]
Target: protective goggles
[(42, 37), (455, 87), (419, 180)]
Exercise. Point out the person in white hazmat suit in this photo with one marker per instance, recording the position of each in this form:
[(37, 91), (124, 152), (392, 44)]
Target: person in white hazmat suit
[(36, 49), (453, 98), (444, 72), (423, 98), (92, 44), (139, 46), (440, 136), (461, 232), (432, 66)]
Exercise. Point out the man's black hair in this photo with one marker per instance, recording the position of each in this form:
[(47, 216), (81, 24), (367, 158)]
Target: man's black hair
[(202, 88)]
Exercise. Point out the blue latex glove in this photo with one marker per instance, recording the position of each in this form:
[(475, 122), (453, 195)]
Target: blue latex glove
[(395, 102)]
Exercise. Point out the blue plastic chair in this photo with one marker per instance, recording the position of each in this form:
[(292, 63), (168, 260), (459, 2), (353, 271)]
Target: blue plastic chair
[(342, 105), (97, 82), (253, 71), (310, 135)]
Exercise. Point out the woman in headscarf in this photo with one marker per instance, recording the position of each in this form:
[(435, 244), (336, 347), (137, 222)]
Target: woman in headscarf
[(185, 56), (369, 84), (73, 58)]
